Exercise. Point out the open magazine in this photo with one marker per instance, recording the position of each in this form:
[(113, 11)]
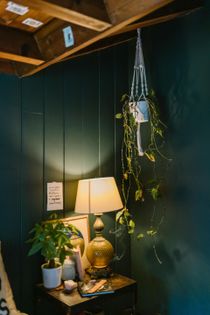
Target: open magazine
[(95, 287)]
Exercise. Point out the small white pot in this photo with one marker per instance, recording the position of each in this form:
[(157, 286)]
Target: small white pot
[(143, 111), (140, 110), (51, 276), (68, 270)]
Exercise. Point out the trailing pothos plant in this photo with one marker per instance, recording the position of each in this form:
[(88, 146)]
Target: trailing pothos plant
[(132, 185)]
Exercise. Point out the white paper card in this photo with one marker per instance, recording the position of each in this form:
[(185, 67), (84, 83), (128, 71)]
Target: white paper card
[(32, 22), (54, 196), (68, 36), (16, 8)]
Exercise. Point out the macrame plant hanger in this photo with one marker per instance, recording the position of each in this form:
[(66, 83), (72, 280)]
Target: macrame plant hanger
[(138, 97)]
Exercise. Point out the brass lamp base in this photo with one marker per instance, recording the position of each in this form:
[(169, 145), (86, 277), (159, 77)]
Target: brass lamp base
[(99, 252), (97, 273)]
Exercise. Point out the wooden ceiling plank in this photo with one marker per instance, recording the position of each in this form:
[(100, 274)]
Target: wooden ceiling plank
[(12, 19), (93, 8), (51, 41), (124, 9), (149, 7), (150, 22), (19, 46), (66, 14), (7, 67), (18, 58)]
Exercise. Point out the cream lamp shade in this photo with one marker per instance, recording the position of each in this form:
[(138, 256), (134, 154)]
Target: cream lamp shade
[(97, 195)]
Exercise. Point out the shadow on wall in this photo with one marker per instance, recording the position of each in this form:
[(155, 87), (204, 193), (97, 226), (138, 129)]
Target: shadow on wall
[(153, 295)]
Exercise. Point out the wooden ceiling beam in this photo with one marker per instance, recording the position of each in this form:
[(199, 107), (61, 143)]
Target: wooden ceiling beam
[(66, 14), (148, 7), (122, 10), (93, 8), (19, 58), (50, 40), (153, 21)]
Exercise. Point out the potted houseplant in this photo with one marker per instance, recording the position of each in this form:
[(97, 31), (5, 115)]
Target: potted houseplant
[(52, 239)]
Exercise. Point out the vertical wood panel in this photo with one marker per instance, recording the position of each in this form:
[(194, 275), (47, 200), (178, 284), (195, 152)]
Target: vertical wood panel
[(121, 87), (31, 179), (53, 128), (32, 94), (10, 177), (73, 129), (106, 128), (107, 118), (90, 118)]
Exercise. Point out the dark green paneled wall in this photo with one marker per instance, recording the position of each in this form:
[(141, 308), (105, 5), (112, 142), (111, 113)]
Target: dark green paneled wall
[(177, 56), (57, 125)]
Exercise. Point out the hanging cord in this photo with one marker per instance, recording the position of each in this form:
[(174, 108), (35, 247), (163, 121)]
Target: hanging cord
[(135, 80), (145, 83), (137, 68), (138, 81), (142, 95), (142, 73), (139, 74)]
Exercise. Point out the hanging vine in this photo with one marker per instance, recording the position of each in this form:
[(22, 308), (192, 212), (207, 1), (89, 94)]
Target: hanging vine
[(130, 159), (132, 153)]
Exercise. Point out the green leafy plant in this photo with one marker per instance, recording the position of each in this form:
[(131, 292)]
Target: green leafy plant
[(52, 239), (131, 183)]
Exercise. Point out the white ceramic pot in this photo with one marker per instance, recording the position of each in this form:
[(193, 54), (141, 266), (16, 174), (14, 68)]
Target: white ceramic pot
[(143, 111), (51, 276), (140, 110)]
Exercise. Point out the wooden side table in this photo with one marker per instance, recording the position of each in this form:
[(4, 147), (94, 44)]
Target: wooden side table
[(57, 302)]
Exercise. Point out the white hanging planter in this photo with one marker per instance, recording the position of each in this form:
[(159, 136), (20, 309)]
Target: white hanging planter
[(140, 110), (51, 276), (143, 109)]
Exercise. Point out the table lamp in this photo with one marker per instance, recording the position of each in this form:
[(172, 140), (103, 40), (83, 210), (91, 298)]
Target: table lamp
[(97, 196)]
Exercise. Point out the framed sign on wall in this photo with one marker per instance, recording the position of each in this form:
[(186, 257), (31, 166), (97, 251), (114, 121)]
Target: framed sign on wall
[(54, 196)]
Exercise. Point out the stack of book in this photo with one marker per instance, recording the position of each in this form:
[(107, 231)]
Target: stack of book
[(95, 287)]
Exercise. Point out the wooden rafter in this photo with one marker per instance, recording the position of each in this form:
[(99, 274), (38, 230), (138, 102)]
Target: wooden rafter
[(51, 41), (19, 58), (66, 14), (153, 21)]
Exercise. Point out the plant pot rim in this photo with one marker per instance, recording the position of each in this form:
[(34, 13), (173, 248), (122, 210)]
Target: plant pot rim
[(58, 265)]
